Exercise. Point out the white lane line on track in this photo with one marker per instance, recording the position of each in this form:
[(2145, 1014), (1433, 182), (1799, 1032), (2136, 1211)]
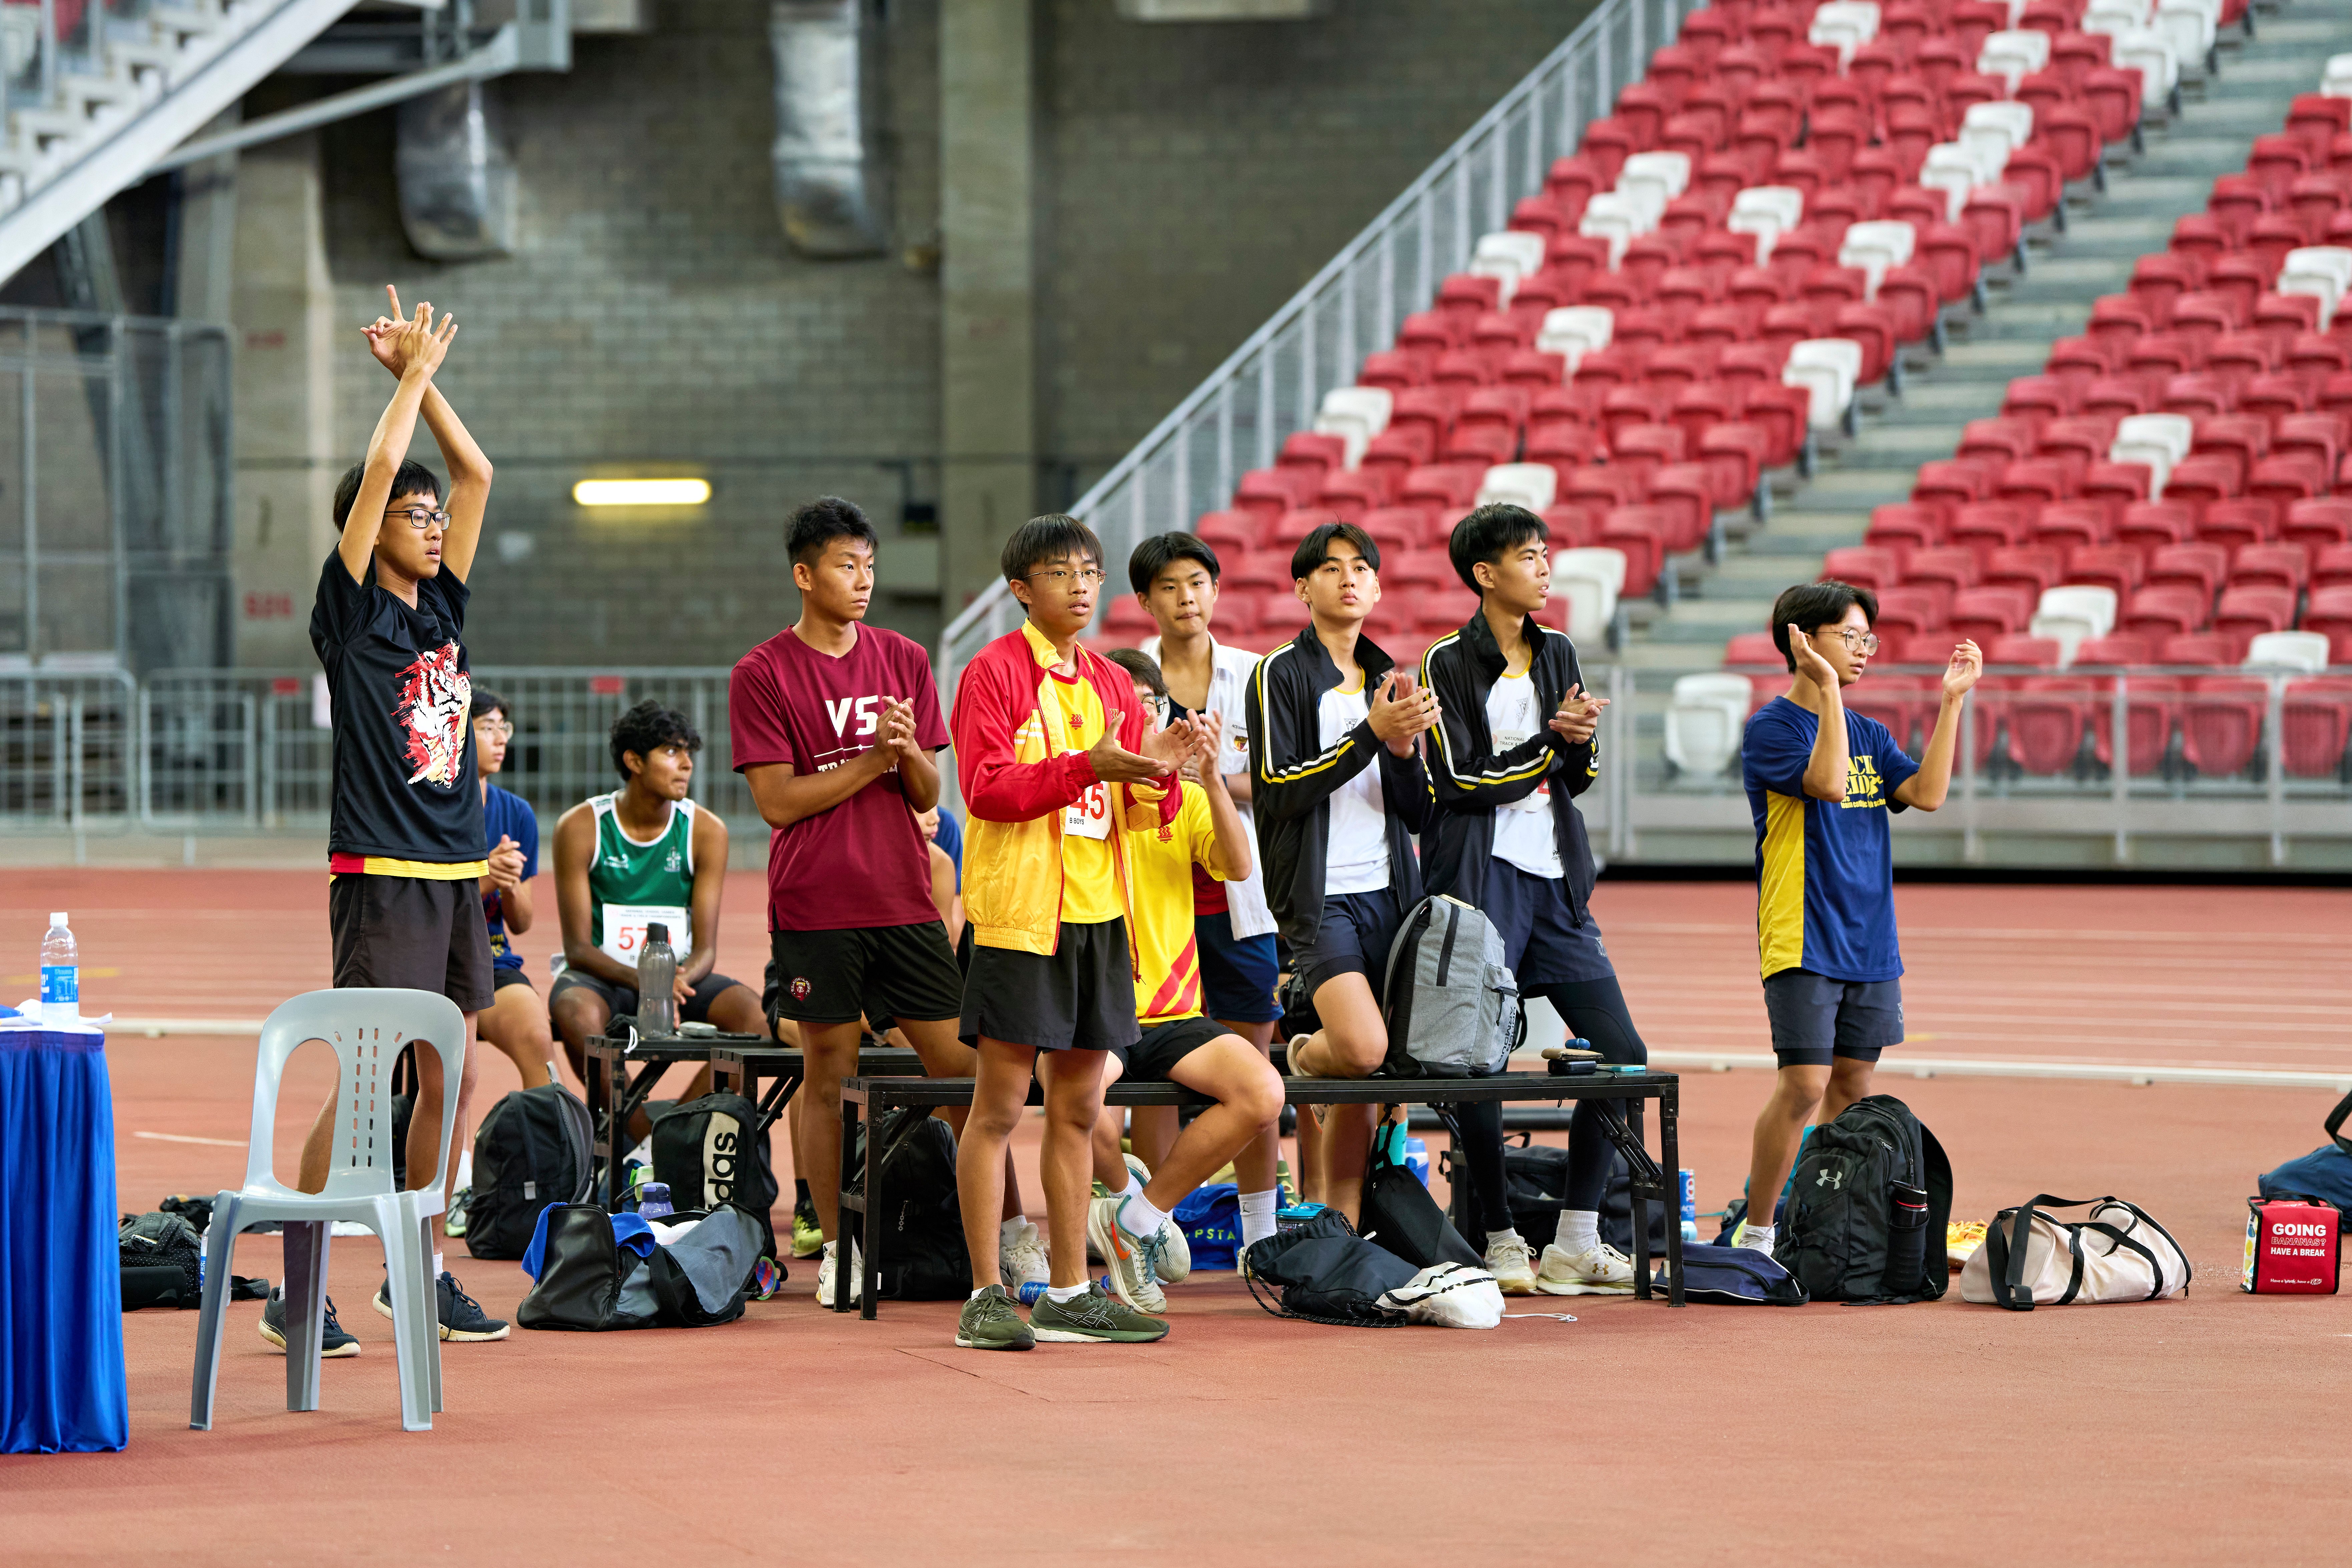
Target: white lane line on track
[(185, 1138)]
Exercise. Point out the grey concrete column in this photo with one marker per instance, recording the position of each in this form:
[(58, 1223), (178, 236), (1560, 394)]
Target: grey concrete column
[(205, 270), (988, 320), (281, 306)]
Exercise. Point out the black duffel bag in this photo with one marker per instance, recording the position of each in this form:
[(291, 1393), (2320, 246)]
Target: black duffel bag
[(1322, 1271), (588, 1281)]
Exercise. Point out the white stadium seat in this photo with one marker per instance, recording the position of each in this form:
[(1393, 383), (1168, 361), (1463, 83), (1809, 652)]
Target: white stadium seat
[(1355, 415), (1510, 256), (1704, 721), (1575, 330), (1589, 581), (1530, 485), (1828, 368), (2303, 651)]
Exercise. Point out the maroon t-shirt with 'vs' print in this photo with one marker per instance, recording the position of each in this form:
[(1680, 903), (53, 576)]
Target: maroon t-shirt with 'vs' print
[(864, 862)]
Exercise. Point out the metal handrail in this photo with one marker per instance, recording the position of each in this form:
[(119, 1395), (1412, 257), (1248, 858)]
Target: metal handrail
[(1272, 384)]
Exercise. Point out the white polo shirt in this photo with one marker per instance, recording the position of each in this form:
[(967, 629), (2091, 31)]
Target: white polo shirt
[(1229, 673)]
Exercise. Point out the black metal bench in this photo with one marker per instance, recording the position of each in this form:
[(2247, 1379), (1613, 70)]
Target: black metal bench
[(739, 1070), (1651, 1179)]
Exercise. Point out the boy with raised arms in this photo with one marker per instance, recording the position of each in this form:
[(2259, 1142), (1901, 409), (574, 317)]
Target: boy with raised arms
[(835, 725), (1338, 789), (1053, 755), (1822, 784), (1516, 748), (405, 844)]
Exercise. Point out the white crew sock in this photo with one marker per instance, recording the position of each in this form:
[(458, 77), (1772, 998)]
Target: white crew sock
[(1065, 1292), (1136, 1215), (1580, 1231), (1258, 1216), (436, 1265), (976, 1295), (1134, 1188), (1496, 1237), (1762, 1237)]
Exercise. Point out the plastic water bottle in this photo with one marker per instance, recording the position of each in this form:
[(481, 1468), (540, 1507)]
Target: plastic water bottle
[(1416, 1158), (60, 975), (656, 982), (653, 1201)]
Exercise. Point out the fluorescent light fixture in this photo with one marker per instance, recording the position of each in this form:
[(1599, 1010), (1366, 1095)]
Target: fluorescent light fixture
[(641, 492)]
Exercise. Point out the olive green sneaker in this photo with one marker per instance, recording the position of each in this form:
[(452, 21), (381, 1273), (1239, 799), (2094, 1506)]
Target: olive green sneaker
[(1094, 1316), (988, 1322)]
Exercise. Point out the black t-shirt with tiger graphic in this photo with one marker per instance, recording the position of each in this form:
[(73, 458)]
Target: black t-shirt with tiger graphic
[(404, 787)]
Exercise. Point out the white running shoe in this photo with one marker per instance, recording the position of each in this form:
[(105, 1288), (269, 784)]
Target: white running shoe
[(1023, 1262), (824, 1274), (1173, 1262), (1132, 1258), (1512, 1263), (1598, 1271)]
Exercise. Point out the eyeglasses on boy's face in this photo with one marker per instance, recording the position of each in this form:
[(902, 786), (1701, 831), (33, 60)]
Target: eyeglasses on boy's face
[(419, 517), (1864, 643), (1064, 577), (498, 727)]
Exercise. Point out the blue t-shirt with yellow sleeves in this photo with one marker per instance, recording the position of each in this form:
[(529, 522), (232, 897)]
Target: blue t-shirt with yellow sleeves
[(1824, 868)]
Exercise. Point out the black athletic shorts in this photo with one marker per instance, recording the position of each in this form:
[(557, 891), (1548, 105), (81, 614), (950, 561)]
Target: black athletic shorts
[(623, 999), (1081, 998), (1542, 943), (1357, 932), (412, 933), (1816, 1018), (1151, 1058), (878, 973), (507, 977)]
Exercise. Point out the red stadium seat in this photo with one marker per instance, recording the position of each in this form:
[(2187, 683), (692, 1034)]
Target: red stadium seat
[(2152, 709), (2047, 719), (1985, 613), (2245, 613), (2166, 609), (2315, 721), (2222, 723), (2330, 614)]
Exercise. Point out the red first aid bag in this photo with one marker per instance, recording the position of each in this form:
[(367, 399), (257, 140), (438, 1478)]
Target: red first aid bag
[(2290, 1248)]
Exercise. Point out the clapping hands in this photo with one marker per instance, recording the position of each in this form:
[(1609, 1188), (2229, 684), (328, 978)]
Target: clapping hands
[(1401, 711), (1579, 717)]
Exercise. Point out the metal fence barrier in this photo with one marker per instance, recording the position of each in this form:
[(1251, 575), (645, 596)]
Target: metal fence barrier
[(2253, 759)]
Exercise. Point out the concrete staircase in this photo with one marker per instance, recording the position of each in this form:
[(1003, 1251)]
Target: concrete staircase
[(2106, 233)]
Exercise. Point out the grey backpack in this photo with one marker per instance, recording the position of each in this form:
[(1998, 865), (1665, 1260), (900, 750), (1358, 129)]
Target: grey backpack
[(1453, 1004)]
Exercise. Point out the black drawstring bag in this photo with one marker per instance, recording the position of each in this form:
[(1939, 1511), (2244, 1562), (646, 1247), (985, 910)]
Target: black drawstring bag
[(1322, 1271), (1400, 1215)]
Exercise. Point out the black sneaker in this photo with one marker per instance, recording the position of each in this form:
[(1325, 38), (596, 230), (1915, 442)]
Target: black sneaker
[(462, 1316), (332, 1341)]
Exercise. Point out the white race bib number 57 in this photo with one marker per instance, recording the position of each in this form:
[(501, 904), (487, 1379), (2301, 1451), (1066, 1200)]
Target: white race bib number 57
[(625, 930)]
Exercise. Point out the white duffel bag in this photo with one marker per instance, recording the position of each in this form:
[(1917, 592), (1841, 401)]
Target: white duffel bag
[(2032, 1259)]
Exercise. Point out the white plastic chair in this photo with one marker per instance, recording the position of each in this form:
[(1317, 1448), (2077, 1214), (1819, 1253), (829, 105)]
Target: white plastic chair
[(2148, 52), (2336, 81), (368, 1029), (1704, 721), (1954, 169), (1615, 217), (1767, 211), (1877, 246), (2013, 53), (1508, 255), (1575, 330), (1828, 368), (2159, 440), (1669, 172), (2324, 271), (2072, 613), (1589, 579), (1355, 415), (2305, 652), (2189, 25), (1530, 485), (1843, 25)]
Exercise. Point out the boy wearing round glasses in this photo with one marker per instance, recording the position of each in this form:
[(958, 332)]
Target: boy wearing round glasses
[(1821, 783), (406, 850)]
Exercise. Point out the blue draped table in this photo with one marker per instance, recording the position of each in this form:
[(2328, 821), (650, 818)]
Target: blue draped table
[(62, 1388)]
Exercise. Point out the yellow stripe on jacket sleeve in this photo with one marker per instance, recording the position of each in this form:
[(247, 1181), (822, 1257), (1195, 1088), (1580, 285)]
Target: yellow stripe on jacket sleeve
[(1780, 890), (1312, 765)]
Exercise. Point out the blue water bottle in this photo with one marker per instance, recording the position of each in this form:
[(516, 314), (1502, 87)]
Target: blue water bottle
[(653, 1201), (1416, 1158)]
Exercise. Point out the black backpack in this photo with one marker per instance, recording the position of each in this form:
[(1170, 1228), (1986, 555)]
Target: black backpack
[(1844, 1236), (924, 1257), (698, 1149), (161, 1262), (532, 1150)]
